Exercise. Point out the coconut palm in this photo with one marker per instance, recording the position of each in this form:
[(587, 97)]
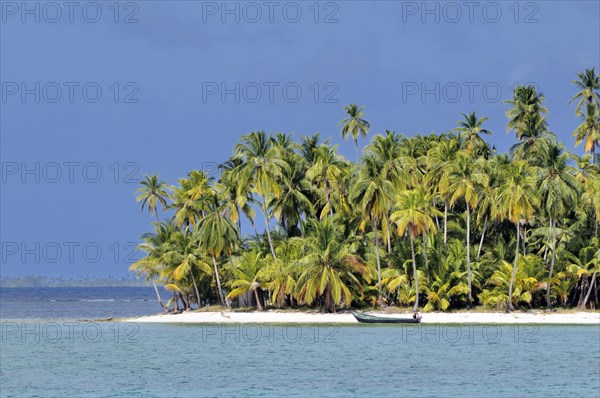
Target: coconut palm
[(518, 200), (154, 246), (373, 193), (152, 193), (589, 130), (263, 167), (355, 125), (589, 84), (466, 181), (330, 265), (439, 158), (414, 216), (559, 191), (526, 102), (217, 236), (470, 131), (247, 271), (328, 174)]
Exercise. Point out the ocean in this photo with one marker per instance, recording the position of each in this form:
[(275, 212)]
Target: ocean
[(52, 347)]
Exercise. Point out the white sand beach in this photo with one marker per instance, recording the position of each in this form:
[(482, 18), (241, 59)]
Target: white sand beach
[(575, 318)]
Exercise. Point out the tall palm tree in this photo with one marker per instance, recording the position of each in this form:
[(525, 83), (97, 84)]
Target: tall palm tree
[(589, 130), (589, 84), (518, 201), (154, 246), (327, 174), (534, 140), (466, 181), (373, 193), (526, 102), (263, 168), (151, 193), (559, 192), (386, 151), (470, 131), (217, 235), (439, 158), (294, 201), (189, 199), (414, 216), (355, 125)]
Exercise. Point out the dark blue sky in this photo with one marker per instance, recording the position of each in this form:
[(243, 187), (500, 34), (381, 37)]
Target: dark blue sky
[(161, 69)]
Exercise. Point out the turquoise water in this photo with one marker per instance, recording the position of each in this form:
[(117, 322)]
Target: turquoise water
[(50, 352), (60, 359)]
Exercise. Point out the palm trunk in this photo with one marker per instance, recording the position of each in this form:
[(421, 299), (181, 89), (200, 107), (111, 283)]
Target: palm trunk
[(469, 277), (523, 241), (425, 252), (514, 271), (389, 238), (482, 238), (158, 294), (412, 249), (221, 299), (195, 289), (176, 298), (552, 262), (258, 303), (376, 239), (264, 206), (256, 232), (587, 296), (357, 155), (445, 222)]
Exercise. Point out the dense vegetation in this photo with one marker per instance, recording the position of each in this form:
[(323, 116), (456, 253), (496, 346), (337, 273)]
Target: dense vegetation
[(435, 222)]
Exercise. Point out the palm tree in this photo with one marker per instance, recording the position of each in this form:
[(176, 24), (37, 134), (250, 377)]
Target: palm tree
[(373, 193), (470, 131), (294, 201), (247, 274), (588, 84), (327, 174), (439, 158), (414, 216), (152, 192), (526, 102), (330, 265), (189, 198), (355, 125), (217, 235), (559, 190), (183, 259), (154, 245), (262, 167), (466, 181), (589, 130), (518, 200), (534, 140), (386, 151)]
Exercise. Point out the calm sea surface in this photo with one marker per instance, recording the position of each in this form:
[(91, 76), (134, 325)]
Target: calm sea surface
[(48, 350)]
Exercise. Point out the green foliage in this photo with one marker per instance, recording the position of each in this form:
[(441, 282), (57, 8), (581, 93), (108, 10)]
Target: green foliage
[(439, 222)]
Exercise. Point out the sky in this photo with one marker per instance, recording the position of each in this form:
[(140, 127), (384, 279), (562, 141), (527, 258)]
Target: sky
[(96, 94)]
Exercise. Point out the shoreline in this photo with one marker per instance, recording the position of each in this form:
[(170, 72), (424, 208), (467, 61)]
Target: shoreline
[(346, 318)]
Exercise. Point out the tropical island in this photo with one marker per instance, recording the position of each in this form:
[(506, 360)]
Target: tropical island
[(441, 222)]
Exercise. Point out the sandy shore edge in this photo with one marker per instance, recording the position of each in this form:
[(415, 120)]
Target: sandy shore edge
[(578, 318)]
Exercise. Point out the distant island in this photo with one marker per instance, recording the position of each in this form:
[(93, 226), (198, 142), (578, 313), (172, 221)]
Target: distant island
[(79, 281)]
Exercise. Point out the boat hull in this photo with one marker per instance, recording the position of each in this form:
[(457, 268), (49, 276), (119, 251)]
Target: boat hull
[(364, 318)]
